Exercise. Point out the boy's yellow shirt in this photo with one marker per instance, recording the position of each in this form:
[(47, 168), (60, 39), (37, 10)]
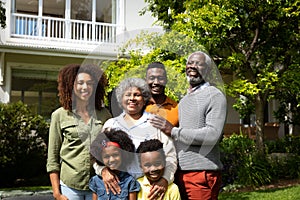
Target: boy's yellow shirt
[(172, 192)]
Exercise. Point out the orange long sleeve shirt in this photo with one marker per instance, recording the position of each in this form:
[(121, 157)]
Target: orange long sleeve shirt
[(168, 110)]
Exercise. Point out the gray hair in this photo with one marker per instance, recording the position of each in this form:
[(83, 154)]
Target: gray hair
[(139, 83), (212, 74), (207, 58)]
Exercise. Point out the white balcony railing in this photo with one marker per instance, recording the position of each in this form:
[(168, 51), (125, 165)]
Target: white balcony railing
[(58, 29)]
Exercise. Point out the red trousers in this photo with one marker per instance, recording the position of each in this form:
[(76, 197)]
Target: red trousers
[(198, 185)]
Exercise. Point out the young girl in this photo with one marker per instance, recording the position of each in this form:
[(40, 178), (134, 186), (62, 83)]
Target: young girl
[(114, 149)]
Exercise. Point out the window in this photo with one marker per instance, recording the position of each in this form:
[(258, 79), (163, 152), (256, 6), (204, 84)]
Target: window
[(104, 11), (66, 19), (27, 7), (81, 10), (38, 92), (54, 8)]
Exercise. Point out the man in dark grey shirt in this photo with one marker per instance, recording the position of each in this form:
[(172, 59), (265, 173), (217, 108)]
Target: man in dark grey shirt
[(202, 114)]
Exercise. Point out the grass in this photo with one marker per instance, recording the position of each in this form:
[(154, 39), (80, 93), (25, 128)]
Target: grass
[(288, 193)]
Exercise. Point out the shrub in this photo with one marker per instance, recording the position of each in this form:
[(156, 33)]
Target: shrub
[(233, 150), (287, 144), (23, 138), (284, 165), (242, 164), (284, 154), (254, 170)]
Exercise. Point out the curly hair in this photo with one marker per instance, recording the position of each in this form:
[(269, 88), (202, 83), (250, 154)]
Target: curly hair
[(112, 135), (151, 145), (67, 77), (130, 83)]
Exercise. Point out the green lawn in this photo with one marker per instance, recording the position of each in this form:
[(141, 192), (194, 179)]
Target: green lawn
[(289, 193)]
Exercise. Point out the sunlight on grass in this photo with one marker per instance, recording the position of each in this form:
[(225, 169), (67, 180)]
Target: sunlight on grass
[(291, 193)]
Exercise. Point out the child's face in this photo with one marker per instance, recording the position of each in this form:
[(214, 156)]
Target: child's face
[(112, 157), (153, 165)]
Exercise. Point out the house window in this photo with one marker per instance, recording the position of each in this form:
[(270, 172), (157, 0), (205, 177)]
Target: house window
[(27, 7), (104, 10), (65, 19), (81, 10), (38, 91), (54, 8)]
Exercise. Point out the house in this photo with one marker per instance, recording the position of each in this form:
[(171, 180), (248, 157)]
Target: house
[(44, 35)]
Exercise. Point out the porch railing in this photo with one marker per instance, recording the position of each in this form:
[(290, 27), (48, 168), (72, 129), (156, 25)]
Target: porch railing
[(50, 28)]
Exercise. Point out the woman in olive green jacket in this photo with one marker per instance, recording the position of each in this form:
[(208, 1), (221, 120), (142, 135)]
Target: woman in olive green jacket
[(73, 127)]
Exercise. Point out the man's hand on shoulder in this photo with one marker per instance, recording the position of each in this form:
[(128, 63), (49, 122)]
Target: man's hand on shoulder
[(161, 124)]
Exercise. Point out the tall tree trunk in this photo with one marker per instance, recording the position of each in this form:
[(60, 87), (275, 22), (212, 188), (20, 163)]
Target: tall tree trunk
[(260, 125)]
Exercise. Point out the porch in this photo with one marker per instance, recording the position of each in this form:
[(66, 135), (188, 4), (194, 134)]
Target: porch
[(52, 29)]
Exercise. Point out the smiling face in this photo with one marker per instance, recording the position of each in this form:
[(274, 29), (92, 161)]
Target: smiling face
[(83, 87), (133, 101), (195, 69), (112, 157), (157, 80), (153, 165)]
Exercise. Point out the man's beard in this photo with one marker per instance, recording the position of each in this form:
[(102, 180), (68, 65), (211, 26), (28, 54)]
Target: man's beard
[(195, 80)]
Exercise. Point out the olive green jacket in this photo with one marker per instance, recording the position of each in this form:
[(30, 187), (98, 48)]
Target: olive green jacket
[(68, 147)]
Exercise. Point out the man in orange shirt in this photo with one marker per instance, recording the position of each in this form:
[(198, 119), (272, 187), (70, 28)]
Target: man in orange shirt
[(160, 104)]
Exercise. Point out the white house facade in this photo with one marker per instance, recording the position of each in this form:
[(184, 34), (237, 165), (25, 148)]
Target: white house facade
[(42, 36)]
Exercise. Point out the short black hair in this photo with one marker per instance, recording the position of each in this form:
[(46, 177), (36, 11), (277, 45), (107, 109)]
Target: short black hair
[(149, 146), (112, 135), (156, 65)]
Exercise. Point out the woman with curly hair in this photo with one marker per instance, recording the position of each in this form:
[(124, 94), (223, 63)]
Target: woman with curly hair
[(114, 149), (73, 127)]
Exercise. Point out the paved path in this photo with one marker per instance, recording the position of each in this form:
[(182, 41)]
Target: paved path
[(31, 197), (24, 195)]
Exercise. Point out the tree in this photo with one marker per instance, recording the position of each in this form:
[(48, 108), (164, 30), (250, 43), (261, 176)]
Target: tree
[(2, 15), (256, 40), (288, 95), (162, 10), (166, 48)]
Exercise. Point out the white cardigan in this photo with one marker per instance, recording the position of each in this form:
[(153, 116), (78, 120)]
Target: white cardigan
[(140, 132)]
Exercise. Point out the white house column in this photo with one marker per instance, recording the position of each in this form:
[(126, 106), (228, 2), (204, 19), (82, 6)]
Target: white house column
[(40, 15), (120, 19), (94, 6), (2, 54), (120, 15), (5, 88), (68, 17)]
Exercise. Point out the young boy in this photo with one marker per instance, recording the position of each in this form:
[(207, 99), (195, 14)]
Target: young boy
[(152, 161)]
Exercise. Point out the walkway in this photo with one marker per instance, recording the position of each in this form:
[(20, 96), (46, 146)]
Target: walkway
[(26, 195)]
